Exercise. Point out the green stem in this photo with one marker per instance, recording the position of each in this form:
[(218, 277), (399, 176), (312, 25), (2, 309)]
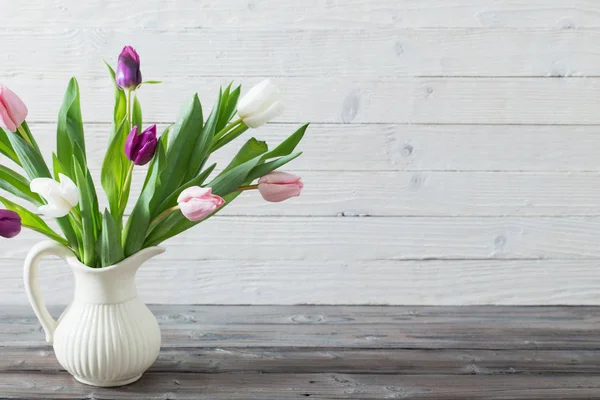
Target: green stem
[(249, 187), (227, 128), (162, 216), (126, 187), (77, 219), (229, 137), (25, 135), (129, 112)]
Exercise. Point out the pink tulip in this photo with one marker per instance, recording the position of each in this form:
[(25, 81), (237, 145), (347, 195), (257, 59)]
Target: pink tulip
[(197, 203), (12, 110), (279, 186)]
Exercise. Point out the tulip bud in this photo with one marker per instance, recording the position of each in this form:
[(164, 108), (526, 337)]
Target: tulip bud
[(279, 186), (10, 224), (61, 197), (141, 148), (197, 203), (260, 105), (12, 110), (128, 74)]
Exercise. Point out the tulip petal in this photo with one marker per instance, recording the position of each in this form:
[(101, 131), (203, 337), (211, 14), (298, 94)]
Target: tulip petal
[(193, 192), (276, 193), (258, 98), (5, 121), (69, 190), (14, 105), (12, 109), (280, 177), (132, 143), (42, 186), (61, 197), (260, 119), (54, 211), (128, 74), (10, 224)]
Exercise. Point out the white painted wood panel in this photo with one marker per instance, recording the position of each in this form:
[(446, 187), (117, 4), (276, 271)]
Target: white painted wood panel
[(430, 282), (393, 194), (382, 194), (374, 238), (366, 53), (308, 14), (555, 101), (453, 157), (401, 147)]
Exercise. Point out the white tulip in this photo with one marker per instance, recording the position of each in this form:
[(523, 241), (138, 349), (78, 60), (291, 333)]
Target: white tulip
[(260, 105), (61, 197)]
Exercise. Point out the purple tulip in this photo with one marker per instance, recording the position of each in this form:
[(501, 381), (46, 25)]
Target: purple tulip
[(141, 148), (128, 73), (10, 224)]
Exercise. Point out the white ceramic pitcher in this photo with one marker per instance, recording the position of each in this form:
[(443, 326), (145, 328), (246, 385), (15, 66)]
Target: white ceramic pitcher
[(106, 336)]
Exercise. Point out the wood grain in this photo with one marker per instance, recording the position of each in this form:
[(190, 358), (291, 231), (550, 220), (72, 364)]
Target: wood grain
[(287, 386), (399, 194), (436, 336), (347, 239), (325, 328), (311, 14), (399, 147), (465, 129), (212, 352), (337, 360), (526, 282), (366, 53), (352, 100)]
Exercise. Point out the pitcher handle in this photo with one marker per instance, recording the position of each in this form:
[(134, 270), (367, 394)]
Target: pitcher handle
[(32, 286)]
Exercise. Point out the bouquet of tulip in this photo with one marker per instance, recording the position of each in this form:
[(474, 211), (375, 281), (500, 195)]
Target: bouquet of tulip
[(180, 189)]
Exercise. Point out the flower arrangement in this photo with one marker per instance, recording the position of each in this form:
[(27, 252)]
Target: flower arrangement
[(180, 189)]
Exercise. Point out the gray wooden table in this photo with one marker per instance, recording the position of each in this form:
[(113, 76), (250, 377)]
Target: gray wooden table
[(333, 352)]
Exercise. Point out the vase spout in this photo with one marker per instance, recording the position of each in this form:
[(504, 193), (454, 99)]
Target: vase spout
[(138, 259), (114, 284)]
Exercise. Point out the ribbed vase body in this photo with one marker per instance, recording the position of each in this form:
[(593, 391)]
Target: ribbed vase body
[(107, 344), (106, 336)]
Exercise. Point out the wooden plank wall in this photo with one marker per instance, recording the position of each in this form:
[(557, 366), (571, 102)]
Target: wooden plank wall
[(452, 159)]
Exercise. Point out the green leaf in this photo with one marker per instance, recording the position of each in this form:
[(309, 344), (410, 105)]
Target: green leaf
[(18, 185), (229, 107), (70, 140), (57, 167), (114, 170), (176, 223), (140, 218), (96, 215), (120, 106), (201, 147), (86, 206), (228, 181), (29, 136), (251, 149), (31, 160), (185, 132), (172, 199), (6, 148), (110, 247), (33, 221), (151, 82), (242, 170), (267, 167), (230, 136), (137, 114), (288, 145), (165, 143)]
